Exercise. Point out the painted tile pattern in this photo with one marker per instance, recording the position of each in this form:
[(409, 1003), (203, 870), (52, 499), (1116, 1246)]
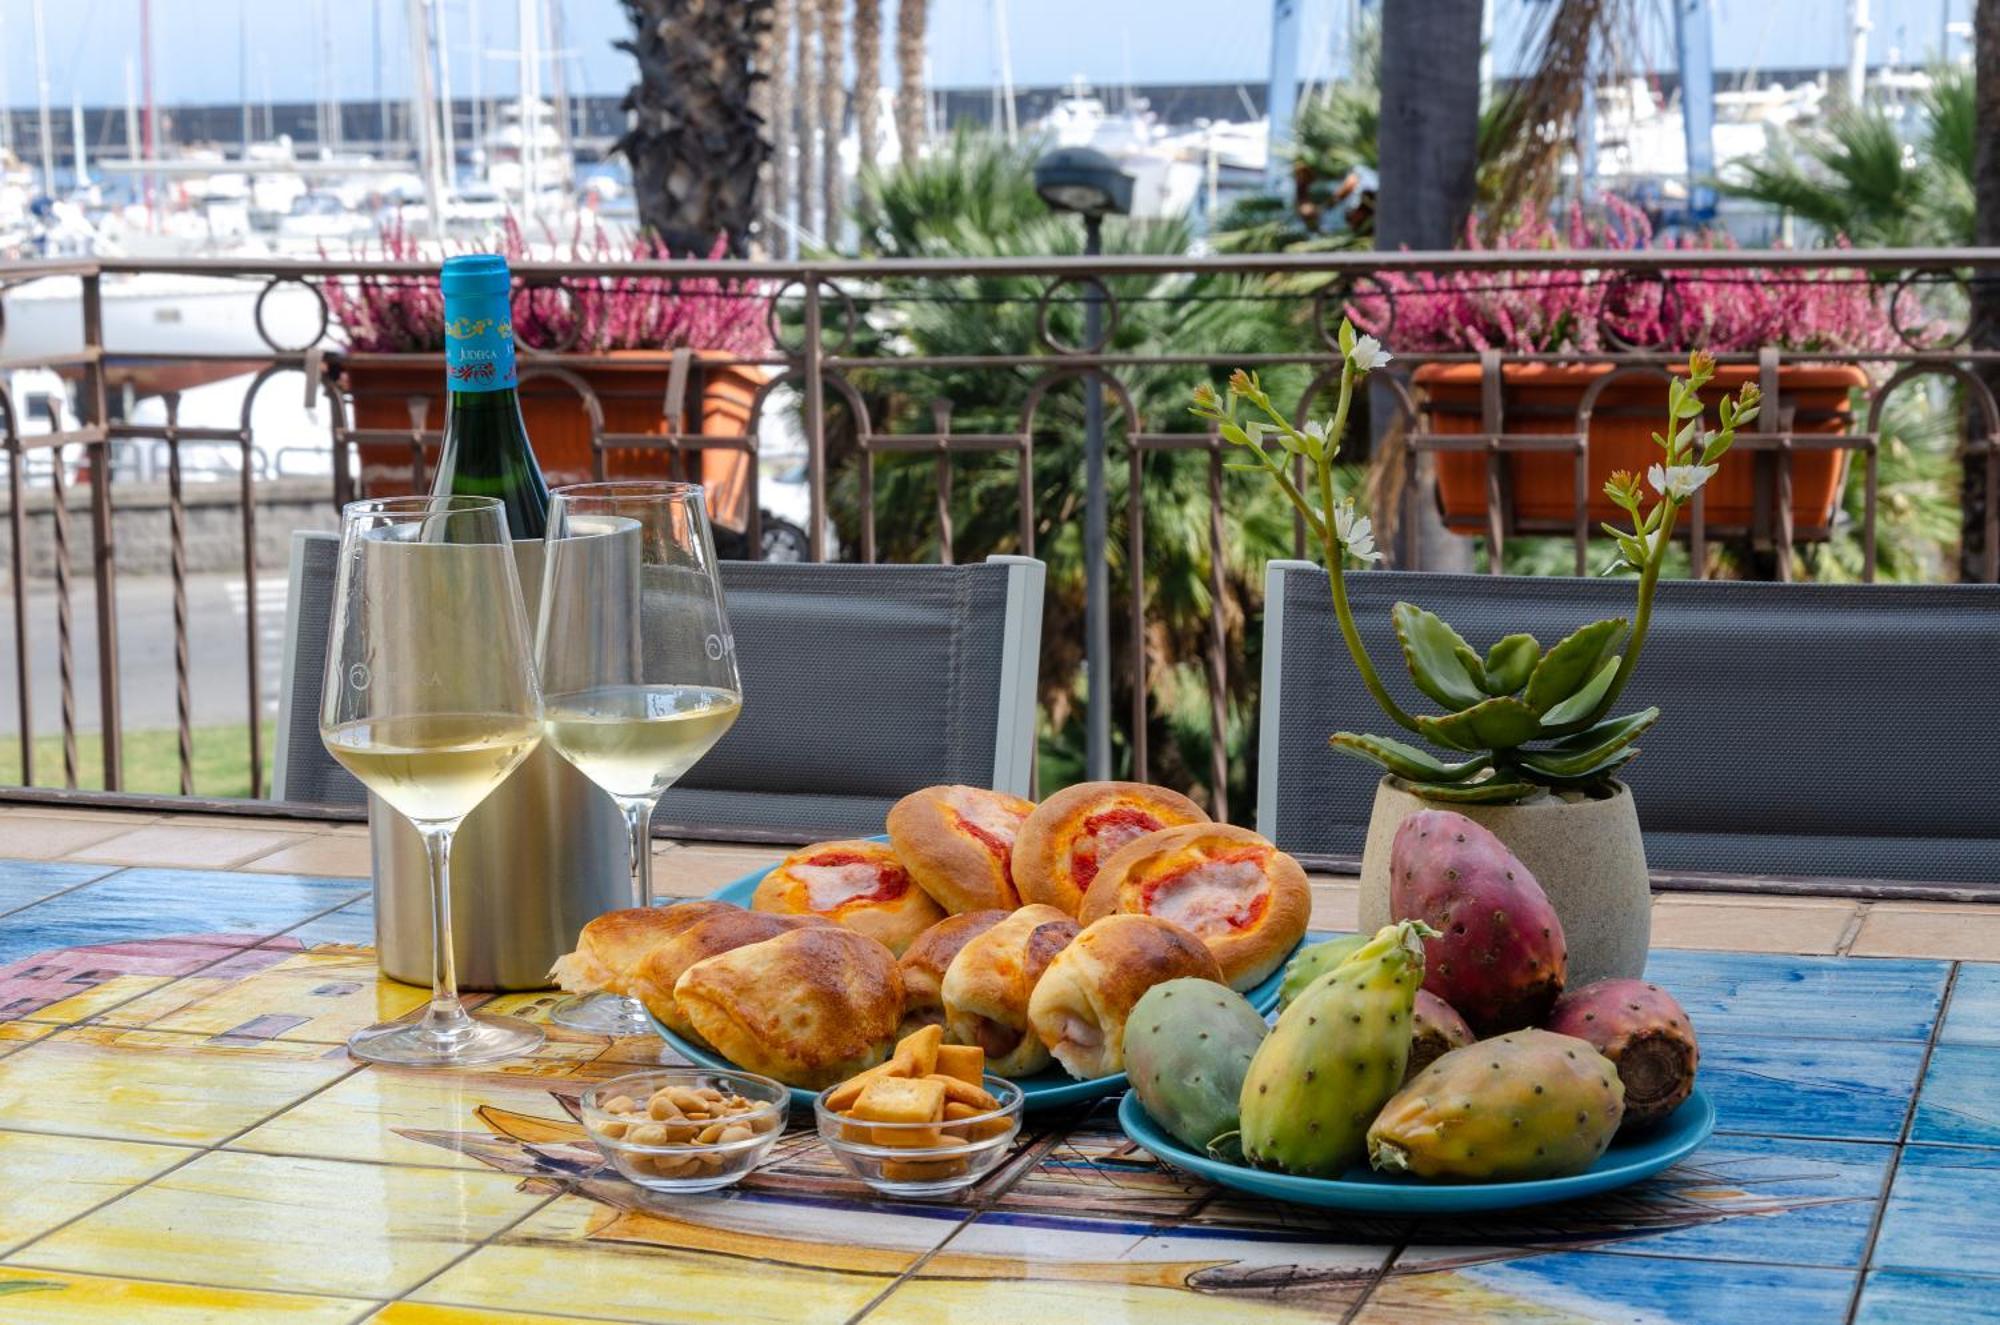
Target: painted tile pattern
[(182, 1138)]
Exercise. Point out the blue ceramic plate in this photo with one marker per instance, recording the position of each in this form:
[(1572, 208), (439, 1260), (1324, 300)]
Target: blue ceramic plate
[(1044, 1090), (1380, 1193)]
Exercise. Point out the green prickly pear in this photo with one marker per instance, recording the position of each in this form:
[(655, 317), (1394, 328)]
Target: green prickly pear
[(1311, 963), (1531, 1104), (1188, 1043), (1337, 1053)]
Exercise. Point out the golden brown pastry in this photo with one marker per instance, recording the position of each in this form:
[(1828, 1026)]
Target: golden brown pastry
[(1064, 842), (987, 986), (861, 885), (1244, 898), (611, 948), (721, 932), (925, 961), (811, 1007), (1080, 1004), (959, 844)]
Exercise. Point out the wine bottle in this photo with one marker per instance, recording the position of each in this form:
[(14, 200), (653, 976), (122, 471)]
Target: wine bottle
[(486, 449)]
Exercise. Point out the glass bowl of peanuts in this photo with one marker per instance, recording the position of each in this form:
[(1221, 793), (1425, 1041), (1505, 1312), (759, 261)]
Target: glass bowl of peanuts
[(685, 1129), (930, 1158)]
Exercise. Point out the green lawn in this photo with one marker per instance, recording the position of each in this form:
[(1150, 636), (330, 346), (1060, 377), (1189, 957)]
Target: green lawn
[(152, 761)]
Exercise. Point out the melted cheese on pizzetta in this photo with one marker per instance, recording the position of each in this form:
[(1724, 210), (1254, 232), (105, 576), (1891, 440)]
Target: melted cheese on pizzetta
[(832, 886), (1212, 896), (989, 814)]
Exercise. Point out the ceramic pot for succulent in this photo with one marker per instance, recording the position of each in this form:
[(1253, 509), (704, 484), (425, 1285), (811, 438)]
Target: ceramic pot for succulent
[(1586, 853)]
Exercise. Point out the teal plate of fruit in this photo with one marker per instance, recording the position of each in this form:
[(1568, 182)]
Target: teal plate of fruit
[(1045, 1090), (1364, 1190)]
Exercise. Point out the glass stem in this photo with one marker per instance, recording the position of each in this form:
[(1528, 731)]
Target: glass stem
[(446, 1020), (639, 819)]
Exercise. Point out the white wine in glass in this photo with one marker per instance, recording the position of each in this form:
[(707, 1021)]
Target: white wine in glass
[(638, 665), (430, 700)]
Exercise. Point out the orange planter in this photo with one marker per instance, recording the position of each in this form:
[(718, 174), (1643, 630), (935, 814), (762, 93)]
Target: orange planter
[(631, 388), (1543, 399)]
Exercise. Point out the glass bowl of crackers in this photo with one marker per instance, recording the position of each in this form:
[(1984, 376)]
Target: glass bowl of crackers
[(929, 1122), (685, 1129)]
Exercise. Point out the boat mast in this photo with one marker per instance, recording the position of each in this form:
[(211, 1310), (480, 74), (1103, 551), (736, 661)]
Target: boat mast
[(423, 117), (477, 90), (530, 31), (42, 97), (441, 42), (79, 147), (146, 91)]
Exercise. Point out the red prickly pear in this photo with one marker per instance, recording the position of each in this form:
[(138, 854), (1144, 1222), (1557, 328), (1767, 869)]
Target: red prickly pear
[(1645, 1031), (1499, 957), (1435, 1030)]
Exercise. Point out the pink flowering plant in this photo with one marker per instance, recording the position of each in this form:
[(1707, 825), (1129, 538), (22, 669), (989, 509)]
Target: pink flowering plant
[(1527, 311), (584, 315)]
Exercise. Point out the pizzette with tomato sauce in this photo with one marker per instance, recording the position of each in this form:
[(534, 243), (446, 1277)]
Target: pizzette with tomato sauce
[(1064, 844), (1240, 895), (862, 885), (958, 843)]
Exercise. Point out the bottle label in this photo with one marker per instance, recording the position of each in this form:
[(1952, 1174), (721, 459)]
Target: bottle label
[(479, 343)]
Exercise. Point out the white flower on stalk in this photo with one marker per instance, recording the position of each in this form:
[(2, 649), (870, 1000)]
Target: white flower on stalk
[(1317, 433), (1356, 533), (1368, 355), (1679, 481)]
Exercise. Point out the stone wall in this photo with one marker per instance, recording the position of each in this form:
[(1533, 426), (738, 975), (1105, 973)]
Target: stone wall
[(141, 530)]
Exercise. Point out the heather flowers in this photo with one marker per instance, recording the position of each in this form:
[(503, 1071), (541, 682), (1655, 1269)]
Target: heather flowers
[(586, 314), (1584, 311)]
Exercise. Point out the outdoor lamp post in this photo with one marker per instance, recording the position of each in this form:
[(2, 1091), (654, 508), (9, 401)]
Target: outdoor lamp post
[(1089, 183)]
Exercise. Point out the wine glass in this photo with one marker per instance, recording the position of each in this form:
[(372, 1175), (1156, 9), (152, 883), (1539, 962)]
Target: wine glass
[(430, 700), (637, 663)]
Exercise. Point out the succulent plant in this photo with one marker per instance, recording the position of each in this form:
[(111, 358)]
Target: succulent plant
[(1518, 720)]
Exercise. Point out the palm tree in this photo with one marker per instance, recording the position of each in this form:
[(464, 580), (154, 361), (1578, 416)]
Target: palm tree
[(806, 178), (1856, 178), (867, 76), (832, 109), (784, 37), (696, 142), (975, 197), (910, 19)]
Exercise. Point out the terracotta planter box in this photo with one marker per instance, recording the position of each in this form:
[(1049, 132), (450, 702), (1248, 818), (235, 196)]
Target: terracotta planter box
[(631, 388), (1543, 399)]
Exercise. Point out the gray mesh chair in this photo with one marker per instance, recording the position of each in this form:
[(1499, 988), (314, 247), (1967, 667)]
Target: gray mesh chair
[(1839, 731), (861, 684)]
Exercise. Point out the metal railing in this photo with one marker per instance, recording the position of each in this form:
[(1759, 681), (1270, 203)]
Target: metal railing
[(838, 326)]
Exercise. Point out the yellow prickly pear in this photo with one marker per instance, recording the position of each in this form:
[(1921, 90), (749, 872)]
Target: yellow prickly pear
[(1532, 1104), (1313, 962), (1337, 1053)]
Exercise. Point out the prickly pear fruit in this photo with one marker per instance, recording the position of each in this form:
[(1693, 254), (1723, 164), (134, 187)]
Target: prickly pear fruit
[(1435, 1030), (1499, 956), (1531, 1104), (1188, 1044), (1311, 963), (1645, 1033), (1338, 1051)]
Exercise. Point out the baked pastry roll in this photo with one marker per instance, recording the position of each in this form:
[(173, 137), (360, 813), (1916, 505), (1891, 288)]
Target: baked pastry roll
[(611, 948), (1244, 898), (959, 844), (987, 986), (859, 884), (1066, 840), (811, 1007), (1079, 1007), (723, 931), (925, 961)]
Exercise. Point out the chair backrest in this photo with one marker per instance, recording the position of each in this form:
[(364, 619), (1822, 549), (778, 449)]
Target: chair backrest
[(860, 684), (1842, 731)]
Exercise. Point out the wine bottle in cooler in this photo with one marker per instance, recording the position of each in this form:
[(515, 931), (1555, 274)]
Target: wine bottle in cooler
[(486, 449)]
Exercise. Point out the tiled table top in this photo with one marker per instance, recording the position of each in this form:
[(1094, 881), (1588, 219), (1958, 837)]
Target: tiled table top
[(182, 1138)]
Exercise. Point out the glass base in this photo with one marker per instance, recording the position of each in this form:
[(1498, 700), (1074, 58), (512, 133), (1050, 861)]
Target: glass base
[(479, 1040), (602, 1014)]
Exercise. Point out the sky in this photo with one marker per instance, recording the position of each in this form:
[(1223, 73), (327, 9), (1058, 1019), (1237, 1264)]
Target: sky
[(217, 51)]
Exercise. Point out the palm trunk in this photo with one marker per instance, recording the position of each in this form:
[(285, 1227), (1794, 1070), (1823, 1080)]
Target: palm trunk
[(910, 18), (1428, 145), (696, 142), (832, 114), (1974, 495), (806, 176), (867, 76), (784, 109)]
